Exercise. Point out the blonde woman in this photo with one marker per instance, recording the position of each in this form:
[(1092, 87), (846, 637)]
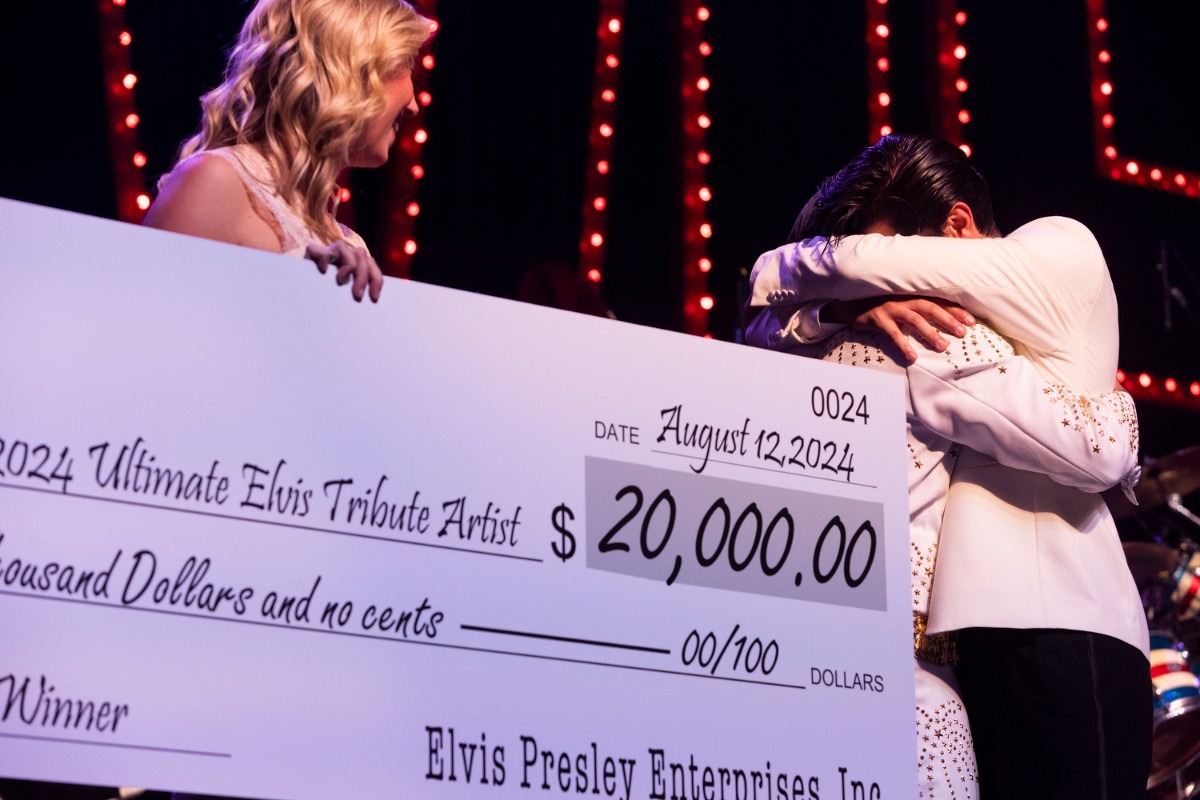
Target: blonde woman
[(311, 87)]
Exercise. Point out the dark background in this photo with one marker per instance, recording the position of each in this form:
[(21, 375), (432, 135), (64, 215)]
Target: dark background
[(512, 103), (508, 139)]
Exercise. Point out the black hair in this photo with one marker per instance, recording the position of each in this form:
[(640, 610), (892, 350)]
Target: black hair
[(906, 180)]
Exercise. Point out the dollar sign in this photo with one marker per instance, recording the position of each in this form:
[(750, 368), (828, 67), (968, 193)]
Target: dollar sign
[(559, 518)]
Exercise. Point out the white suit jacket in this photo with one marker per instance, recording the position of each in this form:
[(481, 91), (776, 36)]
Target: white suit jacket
[(1017, 549), (986, 388)]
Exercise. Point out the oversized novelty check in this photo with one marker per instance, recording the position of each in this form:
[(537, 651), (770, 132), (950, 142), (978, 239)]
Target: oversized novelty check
[(258, 540)]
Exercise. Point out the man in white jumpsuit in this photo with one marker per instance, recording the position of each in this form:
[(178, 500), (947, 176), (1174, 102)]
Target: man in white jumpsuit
[(1052, 637)]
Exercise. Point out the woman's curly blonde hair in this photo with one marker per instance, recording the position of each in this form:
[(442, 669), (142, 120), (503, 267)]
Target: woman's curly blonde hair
[(303, 80)]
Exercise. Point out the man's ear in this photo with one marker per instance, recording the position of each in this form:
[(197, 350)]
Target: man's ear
[(960, 223)]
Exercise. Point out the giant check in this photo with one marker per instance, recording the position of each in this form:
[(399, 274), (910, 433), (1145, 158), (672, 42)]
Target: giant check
[(259, 540)]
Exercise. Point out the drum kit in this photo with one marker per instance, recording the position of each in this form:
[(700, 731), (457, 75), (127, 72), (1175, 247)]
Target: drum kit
[(1161, 539)]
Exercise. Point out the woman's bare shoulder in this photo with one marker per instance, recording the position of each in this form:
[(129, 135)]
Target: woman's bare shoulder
[(205, 196)]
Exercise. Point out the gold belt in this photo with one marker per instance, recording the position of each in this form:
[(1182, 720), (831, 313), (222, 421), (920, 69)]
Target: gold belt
[(932, 648)]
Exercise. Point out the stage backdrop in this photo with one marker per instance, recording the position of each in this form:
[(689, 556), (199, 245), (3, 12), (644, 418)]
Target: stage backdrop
[(259, 540)]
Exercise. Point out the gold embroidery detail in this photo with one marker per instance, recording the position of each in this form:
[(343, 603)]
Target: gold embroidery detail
[(932, 648), (1107, 419), (983, 345), (946, 758), (922, 561)]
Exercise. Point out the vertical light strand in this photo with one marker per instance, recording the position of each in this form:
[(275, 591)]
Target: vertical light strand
[(405, 170), (128, 160), (602, 129), (1109, 162), (879, 66), (695, 48), (952, 84), (1099, 58)]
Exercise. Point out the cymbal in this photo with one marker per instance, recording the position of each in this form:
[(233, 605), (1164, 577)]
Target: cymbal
[(1175, 473), (1149, 560)]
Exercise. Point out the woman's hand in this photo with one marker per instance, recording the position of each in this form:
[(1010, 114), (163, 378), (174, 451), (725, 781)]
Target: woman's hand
[(897, 317), (353, 263)]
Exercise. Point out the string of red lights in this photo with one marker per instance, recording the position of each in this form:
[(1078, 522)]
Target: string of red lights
[(594, 223), (1144, 386), (123, 120), (405, 171), (697, 227), (1109, 162), (879, 65), (952, 90), (952, 86)]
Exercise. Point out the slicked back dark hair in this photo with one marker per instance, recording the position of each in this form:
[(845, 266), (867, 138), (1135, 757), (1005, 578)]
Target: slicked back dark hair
[(906, 180)]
